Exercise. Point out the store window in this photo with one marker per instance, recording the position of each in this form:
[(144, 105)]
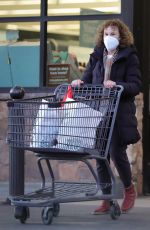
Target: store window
[(19, 8), (26, 8), (68, 42), (78, 7), (19, 54), (69, 49)]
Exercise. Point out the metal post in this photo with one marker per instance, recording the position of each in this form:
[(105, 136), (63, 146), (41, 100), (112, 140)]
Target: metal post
[(43, 43), (16, 157)]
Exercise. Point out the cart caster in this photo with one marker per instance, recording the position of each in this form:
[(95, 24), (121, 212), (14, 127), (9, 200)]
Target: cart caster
[(115, 210), (21, 213), (47, 215), (56, 209)]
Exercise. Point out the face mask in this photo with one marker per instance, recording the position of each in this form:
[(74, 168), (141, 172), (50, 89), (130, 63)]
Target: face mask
[(111, 43)]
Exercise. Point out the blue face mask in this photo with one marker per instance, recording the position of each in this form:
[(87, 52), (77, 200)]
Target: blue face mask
[(111, 43)]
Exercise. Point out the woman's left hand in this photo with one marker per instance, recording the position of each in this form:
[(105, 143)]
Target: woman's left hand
[(109, 84)]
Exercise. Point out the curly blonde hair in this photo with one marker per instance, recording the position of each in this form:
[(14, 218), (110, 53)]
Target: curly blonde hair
[(126, 37)]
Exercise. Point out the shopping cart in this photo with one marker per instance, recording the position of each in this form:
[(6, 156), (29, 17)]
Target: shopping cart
[(78, 129)]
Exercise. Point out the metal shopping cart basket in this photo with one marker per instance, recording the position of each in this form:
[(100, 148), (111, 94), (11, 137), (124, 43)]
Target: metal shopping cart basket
[(77, 129)]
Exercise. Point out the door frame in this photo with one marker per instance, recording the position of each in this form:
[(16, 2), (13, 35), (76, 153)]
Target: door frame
[(142, 35)]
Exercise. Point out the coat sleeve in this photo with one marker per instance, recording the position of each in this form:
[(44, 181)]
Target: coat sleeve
[(88, 73), (132, 82)]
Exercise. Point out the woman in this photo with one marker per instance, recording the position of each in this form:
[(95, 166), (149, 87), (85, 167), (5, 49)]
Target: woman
[(114, 62)]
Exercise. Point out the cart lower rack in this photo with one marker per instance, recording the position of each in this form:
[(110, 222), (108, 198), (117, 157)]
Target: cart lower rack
[(61, 128)]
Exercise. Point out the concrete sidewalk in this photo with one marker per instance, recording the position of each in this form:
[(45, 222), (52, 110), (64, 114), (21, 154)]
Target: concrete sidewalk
[(77, 216)]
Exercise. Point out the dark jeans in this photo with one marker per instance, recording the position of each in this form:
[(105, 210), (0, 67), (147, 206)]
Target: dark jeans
[(118, 155)]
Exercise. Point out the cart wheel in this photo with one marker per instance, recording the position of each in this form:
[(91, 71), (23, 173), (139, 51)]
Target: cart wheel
[(115, 210), (56, 209), (47, 215), (21, 213)]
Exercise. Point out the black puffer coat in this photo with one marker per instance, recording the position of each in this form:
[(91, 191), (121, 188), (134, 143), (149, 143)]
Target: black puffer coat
[(125, 71)]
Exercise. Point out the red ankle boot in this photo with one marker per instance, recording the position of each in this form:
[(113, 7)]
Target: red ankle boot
[(129, 199), (103, 208)]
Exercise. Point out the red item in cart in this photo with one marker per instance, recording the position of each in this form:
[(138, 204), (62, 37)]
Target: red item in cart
[(68, 95)]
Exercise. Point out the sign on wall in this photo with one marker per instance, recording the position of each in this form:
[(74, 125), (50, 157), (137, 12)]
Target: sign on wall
[(58, 74)]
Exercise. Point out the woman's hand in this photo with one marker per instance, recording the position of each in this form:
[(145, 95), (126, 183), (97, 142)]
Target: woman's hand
[(77, 82), (109, 84)]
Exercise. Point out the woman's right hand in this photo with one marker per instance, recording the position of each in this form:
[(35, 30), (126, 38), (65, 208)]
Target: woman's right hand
[(77, 82)]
